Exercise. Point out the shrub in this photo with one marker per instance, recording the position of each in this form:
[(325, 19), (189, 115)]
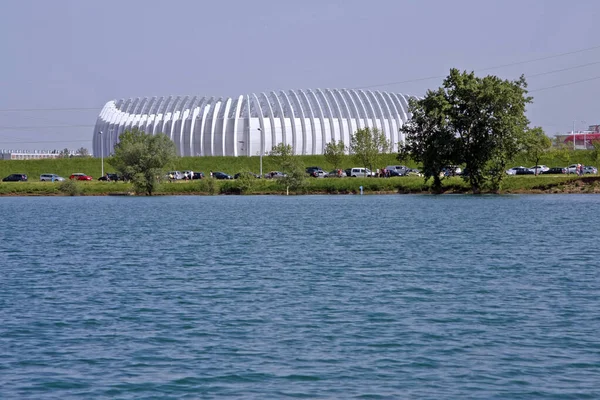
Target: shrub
[(70, 187)]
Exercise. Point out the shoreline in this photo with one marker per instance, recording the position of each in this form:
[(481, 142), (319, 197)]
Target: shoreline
[(566, 189), (347, 186)]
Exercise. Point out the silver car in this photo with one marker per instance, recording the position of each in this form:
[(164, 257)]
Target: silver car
[(336, 173), (513, 170), (51, 178)]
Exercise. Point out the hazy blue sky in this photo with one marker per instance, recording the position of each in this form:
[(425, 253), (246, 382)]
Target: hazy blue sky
[(79, 54)]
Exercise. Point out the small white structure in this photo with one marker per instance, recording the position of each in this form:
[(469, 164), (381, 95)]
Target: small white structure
[(252, 124)]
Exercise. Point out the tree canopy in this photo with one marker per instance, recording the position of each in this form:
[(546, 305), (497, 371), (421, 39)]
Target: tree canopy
[(334, 153), (536, 144), (143, 158), (367, 146), (478, 122), (290, 165)]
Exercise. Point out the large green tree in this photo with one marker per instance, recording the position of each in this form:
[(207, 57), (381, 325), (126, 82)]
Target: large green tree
[(429, 139), (334, 153), (367, 145), (536, 144), (143, 158), (486, 116)]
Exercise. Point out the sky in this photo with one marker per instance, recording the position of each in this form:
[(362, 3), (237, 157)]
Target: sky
[(63, 60)]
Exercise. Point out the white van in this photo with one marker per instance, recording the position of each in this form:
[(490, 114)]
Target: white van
[(361, 173)]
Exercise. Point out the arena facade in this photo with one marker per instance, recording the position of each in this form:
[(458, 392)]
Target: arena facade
[(252, 124)]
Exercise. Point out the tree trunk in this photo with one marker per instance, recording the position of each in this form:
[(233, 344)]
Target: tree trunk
[(437, 184)]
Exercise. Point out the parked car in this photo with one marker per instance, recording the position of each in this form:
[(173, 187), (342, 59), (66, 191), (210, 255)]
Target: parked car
[(523, 171), (513, 170), (177, 175), (109, 177), (80, 176), (275, 175), (319, 173), (572, 169), (221, 175), (198, 175), (188, 174), (397, 170), (15, 178), (336, 173), (310, 170), (555, 170), (590, 170), (414, 172), (539, 169), (51, 178), (361, 172), (451, 170)]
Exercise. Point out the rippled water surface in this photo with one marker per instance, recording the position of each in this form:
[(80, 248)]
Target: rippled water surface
[(258, 297)]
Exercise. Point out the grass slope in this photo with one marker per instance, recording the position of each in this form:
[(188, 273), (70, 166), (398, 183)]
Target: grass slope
[(65, 167)]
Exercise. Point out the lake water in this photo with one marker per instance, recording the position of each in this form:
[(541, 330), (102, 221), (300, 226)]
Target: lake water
[(261, 297)]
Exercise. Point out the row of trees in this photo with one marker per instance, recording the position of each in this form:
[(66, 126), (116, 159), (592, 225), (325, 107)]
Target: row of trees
[(143, 157)]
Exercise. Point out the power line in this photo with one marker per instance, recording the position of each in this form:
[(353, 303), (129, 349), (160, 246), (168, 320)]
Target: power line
[(43, 127), (47, 141), (483, 69), (563, 69), (50, 109), (564, 84)]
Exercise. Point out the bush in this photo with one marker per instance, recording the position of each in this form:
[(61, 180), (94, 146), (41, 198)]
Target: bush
[(246, 182), (70, 187)]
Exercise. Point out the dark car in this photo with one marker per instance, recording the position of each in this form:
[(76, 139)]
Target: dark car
[(15, 178), (524, 171), (398, 172), (198, 175), (109, 177), (555, 170), (221, 175)]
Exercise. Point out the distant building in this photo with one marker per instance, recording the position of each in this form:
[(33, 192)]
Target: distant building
[(249, 125), (583, 139), (31, 154)]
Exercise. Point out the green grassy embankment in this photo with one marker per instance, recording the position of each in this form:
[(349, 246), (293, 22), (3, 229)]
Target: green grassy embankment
[(230, 165), (512, 184), (65, 167)]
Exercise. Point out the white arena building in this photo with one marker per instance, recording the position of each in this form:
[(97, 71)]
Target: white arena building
[(251, 124)]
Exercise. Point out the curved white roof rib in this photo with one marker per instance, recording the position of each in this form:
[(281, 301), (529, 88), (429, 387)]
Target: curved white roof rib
[(253, 123)]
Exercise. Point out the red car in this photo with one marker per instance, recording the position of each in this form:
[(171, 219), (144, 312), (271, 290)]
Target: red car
[(80, 177)]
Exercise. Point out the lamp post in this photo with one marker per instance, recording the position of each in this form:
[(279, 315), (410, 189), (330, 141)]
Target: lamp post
[(261, 152), (584, 135), (573, 132), (101, 153)]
